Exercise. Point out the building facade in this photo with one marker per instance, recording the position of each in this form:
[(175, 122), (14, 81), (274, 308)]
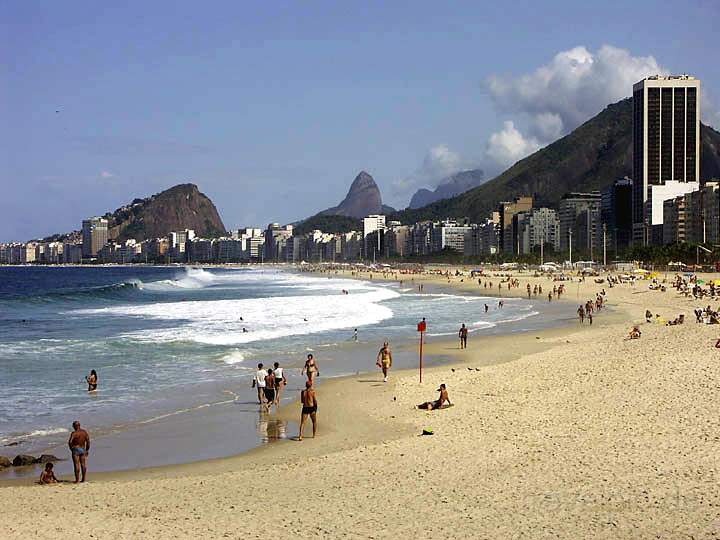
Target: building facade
[(580, 222), (94, 236), (506, 212), (666, 142)]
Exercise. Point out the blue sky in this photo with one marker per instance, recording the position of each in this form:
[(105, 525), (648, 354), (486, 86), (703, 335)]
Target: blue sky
[(272, 108)]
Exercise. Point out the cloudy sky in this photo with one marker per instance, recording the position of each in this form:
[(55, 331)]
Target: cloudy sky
[(272, 108)]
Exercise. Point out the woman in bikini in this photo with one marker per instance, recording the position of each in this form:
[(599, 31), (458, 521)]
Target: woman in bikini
[(311, 368), (92, 380)]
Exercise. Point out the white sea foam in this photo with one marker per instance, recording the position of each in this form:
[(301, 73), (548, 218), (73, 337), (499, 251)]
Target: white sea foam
[(192, 278), (46, 432), (233, 357), (218, 322)]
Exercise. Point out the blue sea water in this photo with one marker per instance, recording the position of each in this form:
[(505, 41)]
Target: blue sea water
[(162, 338)]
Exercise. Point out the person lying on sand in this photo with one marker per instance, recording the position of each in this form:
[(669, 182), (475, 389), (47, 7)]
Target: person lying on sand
[(437, 404), (635, 333), (48, 476)]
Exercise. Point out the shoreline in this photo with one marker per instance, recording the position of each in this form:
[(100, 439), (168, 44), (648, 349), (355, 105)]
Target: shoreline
[(583, 434), (440, 347)]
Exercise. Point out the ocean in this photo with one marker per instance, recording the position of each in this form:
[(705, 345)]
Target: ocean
[(169, 341)]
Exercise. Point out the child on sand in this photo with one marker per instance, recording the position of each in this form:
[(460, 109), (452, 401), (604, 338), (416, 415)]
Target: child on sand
[(48, 476)]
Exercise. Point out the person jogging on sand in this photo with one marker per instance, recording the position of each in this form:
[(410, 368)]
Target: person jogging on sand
[(309, 408), (384, 360)]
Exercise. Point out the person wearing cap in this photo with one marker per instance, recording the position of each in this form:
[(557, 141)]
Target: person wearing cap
[(437, 404)]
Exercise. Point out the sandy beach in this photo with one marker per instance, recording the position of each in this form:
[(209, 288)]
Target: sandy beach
[(566, 433)]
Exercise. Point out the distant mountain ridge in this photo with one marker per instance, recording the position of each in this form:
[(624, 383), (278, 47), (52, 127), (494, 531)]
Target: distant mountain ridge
[(590, 158), (363, 198), (451, 186)]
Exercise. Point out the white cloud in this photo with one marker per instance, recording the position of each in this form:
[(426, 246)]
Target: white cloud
[(543, 105), (574, 86), (509, 145), (439, 163), (106, 174)]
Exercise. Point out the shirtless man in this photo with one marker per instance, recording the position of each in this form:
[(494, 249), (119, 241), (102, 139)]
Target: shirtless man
[(79, 444), (270, 384), (384, 360), (438, 403), (463, 335), (309, 408)]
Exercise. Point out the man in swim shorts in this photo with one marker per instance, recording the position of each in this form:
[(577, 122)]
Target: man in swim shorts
[(269, 389), (79, 444), (384, 360), (463, 335), (309, 408)]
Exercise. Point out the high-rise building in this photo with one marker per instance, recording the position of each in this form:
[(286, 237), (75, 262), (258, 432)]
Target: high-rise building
[(539, 226), (579, 215), (94, 235), (276, 237), (616, 213), (448, 235), (508, 235), (666, 142)]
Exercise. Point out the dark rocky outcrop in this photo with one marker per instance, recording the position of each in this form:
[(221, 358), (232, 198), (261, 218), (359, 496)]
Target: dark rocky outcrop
[(450, 187), (5, 462), (47, 458), (177, 208), (23, 460), (362, 199), (590, 158)]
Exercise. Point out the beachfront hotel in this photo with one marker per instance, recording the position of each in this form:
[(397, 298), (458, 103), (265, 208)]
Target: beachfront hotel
[(666, 148)]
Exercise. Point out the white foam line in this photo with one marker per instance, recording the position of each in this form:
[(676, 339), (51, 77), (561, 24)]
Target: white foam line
[(183, 411)]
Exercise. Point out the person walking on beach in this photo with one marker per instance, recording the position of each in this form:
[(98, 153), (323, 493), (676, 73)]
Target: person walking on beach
[(79, 444), (311, 368), (269, 389), (259, 383), (355, 335), (581, 314), (309, 408), (463, 335), (280, 381), (384, 360), (92, 380)]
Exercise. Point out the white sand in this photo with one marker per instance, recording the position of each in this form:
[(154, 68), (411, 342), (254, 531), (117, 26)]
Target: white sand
[(586, 435)]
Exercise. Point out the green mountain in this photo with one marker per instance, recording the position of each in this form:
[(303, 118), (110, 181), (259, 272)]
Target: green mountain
[(590, 158)]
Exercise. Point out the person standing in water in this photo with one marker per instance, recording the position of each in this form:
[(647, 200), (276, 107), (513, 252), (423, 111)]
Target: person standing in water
[(270, 384), (79, 444), (384, 360), (92, 380), (280, 381), (310, 369), (259, 383), (463, 335)]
